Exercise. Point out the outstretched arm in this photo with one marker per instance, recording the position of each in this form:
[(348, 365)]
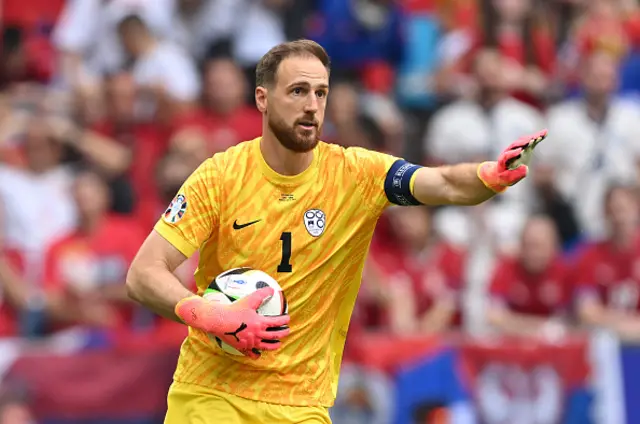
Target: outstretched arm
[(473, 183)]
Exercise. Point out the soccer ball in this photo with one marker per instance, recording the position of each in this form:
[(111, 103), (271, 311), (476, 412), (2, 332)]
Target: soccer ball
[(237, 283)]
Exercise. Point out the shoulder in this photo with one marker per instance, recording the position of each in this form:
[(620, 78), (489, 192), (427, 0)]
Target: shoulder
[(625, 107), (61, 243), (452, 251), (506, 265), (516, 107), (230, 159), (589, 251), (355, 154), (169, 52), (458, 108), (359, 158), (561, 109)]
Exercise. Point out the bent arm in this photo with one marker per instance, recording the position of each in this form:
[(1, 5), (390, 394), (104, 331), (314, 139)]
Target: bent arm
[(592, 312), (151, 281), (450, 185), (517, 324), (439, 317)]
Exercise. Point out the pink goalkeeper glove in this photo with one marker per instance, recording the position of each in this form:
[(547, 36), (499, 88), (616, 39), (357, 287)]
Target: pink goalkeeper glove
[(238, 324), (512, 164)]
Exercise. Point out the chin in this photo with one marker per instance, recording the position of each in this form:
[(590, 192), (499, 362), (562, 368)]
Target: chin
[(304, 145)]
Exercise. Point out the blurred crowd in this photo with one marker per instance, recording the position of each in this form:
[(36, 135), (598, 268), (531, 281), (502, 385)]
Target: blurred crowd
[(107, 106)]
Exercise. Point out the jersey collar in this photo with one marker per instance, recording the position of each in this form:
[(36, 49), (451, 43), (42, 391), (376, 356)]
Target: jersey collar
[(288, 180)]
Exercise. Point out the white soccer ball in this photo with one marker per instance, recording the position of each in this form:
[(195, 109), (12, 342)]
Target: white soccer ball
[(237, 283)]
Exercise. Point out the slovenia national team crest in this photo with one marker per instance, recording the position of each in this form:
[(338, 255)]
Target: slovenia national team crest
[(314, 222), (176, 209)]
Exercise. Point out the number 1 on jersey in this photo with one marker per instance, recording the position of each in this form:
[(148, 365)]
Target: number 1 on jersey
[(285, 265)]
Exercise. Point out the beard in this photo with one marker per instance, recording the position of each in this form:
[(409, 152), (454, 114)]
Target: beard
[(294, 138)]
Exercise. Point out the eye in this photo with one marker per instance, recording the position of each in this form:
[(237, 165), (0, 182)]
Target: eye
[(321, 94), (297, 91)]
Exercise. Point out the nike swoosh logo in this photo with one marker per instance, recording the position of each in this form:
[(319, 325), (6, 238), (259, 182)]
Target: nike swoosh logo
[(237, 226)]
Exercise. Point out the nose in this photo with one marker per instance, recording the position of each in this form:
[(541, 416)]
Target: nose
[(311, 105)]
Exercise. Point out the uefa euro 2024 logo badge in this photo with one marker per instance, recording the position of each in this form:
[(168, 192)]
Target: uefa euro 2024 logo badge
[(176, 209)]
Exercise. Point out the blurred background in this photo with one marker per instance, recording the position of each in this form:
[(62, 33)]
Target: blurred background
[(523, 310)]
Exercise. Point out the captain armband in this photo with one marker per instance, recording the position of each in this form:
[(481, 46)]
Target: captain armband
[(397, 184)]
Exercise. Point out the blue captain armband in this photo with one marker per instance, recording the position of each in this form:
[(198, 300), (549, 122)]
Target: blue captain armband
[(397, 184)]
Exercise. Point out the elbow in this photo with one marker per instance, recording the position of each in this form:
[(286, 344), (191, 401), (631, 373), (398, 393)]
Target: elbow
[(133, 284)]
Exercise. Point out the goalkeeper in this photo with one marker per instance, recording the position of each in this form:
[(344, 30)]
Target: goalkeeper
[(304, 212)]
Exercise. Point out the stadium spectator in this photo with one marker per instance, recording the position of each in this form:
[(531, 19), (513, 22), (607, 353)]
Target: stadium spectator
[(171, 171), (37, 199), (474, 129), (166, 78), (608, 272), (119, 145), (419, 276), (25, 308), (363, 38), (351, 123), (592, 143), (26, 57), (611, 27), (87, 265), (224, 115), (530, 290), (519, 31), (196, 24), (258, 26), (86, 37)]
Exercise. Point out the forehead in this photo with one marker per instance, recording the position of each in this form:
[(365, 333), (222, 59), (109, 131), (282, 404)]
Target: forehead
[(302, 69)]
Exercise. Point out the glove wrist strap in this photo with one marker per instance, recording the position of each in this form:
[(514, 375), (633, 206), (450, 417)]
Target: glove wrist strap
[(487, 173), (188, 310)]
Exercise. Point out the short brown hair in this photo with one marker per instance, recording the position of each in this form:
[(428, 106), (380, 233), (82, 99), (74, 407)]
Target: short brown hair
[(269, 63)]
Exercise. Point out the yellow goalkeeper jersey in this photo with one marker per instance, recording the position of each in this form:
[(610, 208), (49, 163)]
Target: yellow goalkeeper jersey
[(311, 232)]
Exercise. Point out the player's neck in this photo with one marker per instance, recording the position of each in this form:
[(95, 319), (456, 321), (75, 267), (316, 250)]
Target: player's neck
[(281, 159)]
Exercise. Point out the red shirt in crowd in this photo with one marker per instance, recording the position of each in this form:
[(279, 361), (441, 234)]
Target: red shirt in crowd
[(544, 294), (224, 131), (613, 34), (81, 263), (148, 143), (8, 318), (612, 274), (437, 273), (513, 47)]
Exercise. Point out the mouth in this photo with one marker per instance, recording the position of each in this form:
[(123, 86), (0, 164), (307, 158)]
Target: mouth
[(307, 125)]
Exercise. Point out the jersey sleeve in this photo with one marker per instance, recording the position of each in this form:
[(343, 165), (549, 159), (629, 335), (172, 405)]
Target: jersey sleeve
[(193, 213), (382, 179)]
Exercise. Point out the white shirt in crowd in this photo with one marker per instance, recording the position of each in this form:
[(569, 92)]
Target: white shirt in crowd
[(38, 209), (89, 28), (170, 67), (258, 28), (465, 132), (588, 157)]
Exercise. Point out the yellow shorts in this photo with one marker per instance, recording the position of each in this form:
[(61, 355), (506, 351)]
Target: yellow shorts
[(191, 404)]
